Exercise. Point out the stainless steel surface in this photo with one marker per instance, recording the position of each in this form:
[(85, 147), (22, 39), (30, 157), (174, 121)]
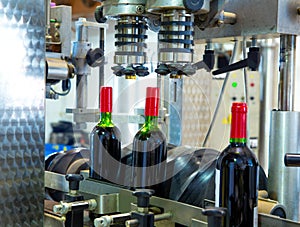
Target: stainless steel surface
[(66, 207), (22, 87), (56, 181), (63, 14), (112, 8), (173, 92), (252, 19), (126, 198), (177, 212), (283, 183), (107, 196), (93, 115), (287, 72), (81, 91), (269, 72), (266, 220), (108, 220), (108, 203), (158, 6), (80, 48)]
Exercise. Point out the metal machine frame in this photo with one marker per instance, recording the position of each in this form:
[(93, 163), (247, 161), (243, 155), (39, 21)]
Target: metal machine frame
[(215, 21)]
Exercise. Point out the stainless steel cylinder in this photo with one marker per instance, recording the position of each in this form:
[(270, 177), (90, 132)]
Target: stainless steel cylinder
[(283, 182), (115, 8), (58, 69), (81, 91)]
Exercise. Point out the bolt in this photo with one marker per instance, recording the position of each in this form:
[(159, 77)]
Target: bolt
[(220, 23), (140, 9)]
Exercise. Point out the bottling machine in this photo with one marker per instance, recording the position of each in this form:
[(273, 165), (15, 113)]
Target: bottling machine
[(181, 28)]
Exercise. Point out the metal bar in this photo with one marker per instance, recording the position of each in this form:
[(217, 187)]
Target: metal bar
[(81, 91), (101, 68), (268, 71), (287, 72), (56, 181)]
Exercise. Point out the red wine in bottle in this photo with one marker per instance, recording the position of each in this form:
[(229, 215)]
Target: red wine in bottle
[(105, 143), (149, 147), (236, 176)]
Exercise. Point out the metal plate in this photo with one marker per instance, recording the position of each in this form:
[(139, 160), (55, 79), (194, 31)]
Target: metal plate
[(256, 17)]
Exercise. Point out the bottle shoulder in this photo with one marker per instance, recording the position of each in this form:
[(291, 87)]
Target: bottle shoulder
[(238, 154), (107, 131), (150, 133)]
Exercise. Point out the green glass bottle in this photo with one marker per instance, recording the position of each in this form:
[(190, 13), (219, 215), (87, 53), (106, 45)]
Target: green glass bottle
[(149, 147), (105, 143), (236, 176)]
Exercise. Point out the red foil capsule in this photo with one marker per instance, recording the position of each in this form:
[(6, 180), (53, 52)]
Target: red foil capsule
[(238, 120), (152, 101), (106, 99)]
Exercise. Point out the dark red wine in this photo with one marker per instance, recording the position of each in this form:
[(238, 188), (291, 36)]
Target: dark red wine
[(149, 148), (237, 175), (105, 158), (105, 143)]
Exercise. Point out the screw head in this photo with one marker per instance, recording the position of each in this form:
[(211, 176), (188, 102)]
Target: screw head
[(140, 9)]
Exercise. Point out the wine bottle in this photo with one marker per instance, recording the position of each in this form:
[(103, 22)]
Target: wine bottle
[(149, 147), (105, 143), (237, 169)]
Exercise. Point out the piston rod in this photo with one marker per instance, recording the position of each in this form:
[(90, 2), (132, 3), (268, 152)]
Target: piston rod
[(287, 72)]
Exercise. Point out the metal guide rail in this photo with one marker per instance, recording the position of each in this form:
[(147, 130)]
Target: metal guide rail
[(110, 197)]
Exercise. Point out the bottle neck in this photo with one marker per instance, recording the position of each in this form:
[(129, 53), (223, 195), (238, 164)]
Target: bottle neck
[(238, 133), (238, 140), (150, 123), (105, 120)]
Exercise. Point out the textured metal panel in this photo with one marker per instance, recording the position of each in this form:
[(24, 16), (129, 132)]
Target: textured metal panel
[(22, 29)]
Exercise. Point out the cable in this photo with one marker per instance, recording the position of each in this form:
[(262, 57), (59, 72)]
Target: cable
[(245, 71), (65, 93), (221, 94)]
